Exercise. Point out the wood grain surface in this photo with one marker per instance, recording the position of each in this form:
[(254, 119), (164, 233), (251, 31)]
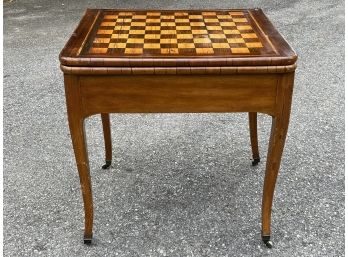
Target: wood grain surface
[(130, 38)]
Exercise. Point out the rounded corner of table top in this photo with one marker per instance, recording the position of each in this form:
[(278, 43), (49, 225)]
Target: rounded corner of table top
[(234, 37)]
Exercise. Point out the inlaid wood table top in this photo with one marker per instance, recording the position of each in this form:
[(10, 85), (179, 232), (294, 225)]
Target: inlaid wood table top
[(176, 38)]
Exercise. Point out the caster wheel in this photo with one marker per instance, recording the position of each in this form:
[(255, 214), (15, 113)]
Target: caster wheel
[(255, 161), (267, 241), (106, 165), (269, 244)]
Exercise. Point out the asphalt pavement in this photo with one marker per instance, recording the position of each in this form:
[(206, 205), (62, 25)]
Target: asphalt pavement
[(180, 184)]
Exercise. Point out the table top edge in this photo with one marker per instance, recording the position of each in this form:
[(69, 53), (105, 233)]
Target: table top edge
[(69, 56)]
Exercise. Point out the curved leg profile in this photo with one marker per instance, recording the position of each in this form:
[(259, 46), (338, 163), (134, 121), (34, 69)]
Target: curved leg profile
[(77, 131), (276, 145), (253, 137), (107, 140), (279, 129)]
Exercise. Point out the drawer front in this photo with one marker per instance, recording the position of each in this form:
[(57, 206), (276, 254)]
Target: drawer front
[(179, 94)]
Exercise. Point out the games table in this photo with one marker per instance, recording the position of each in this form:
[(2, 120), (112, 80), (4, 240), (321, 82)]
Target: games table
[(178, 61)]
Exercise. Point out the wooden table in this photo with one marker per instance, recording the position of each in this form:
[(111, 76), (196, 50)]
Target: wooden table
[(127, 61)]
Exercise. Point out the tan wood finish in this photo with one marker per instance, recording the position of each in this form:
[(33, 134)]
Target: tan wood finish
[(184, 84), (77, 132), (178, 94)]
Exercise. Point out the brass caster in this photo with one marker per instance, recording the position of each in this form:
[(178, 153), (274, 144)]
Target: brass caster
[(267, 241)]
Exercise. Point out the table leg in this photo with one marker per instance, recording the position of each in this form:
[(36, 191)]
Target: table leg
[(253, 137), (107, 140), (77, 131), (78, 139), (280, 122)]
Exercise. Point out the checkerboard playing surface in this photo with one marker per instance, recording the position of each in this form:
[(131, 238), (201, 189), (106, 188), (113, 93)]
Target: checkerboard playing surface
[(174, 33)]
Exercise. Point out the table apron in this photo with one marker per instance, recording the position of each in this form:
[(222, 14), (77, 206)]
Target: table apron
[(178, 94)]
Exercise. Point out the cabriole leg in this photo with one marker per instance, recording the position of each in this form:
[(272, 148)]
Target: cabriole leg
[(276, 145), (280, 123), (79, 143), (77, 131)]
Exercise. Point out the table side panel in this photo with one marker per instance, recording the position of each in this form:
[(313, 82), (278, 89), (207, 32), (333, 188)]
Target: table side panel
[(179, 94)]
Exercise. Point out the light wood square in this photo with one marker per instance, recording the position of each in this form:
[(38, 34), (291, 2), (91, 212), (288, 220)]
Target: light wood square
[(125, 13), (242, 50), (149, 28), (231, 31), (152, 46), (224, 16), (194, 23), (227, 23), (168, 41), (166, 32), (214, 28), (211, 20), (235, 40), (105, 32), (220, 45), (135, 40), (136, 23), (153, 20), (153, 13), (167, 17), (183, 28), (120, 27), (137, 16), (117, 45), (168, 24), (186, 45), (121, 20), (182, 20), (152, 36), (169, 51), (133, 51), (254, 45), (119, 36), (184, 36), (204, 50), (217, 35), (249, 35), (137, 32), (202, 40), (246, 27), (199, 31)]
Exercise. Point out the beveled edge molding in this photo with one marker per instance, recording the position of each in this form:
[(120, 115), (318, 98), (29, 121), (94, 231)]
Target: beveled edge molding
[(175, 70), (180, 61)]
